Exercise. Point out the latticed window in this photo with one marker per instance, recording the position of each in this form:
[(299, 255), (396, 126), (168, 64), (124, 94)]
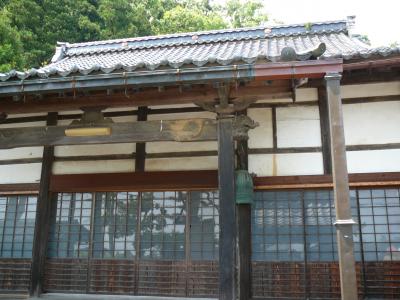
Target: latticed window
[(17, 225)]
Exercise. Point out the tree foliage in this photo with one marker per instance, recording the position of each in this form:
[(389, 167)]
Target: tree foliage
[(29, 29)]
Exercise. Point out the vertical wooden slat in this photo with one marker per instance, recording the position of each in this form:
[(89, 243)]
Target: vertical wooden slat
[(325, 132), (344, 222), (140, 156), (227, 239), (43, 211)]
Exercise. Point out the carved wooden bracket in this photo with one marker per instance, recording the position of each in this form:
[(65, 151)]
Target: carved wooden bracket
[(241, 126), (225, 105)]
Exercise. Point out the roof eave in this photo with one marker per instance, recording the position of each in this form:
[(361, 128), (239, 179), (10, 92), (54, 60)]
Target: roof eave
[(199, 75)]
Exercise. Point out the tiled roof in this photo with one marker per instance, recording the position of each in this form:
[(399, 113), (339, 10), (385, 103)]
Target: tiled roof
[(222, 47)]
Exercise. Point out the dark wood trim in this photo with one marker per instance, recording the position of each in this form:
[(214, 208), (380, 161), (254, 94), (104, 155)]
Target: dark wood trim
[(18, 161), (274, 130), (204, 153), (19, 188), (324, 129), (371, 99), (140, 155), (284, 150), (43, 212), (325, 181), (141, 181)]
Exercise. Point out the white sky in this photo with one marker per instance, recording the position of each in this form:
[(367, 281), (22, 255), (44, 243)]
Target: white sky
[(378, 19)]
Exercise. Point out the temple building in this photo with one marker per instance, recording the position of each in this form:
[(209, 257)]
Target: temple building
[(251, 163)]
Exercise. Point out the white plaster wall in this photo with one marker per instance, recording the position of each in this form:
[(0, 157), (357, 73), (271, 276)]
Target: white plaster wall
[(373, 161), (306, 94), (370, 90), (298, 126), (104, 149), (100, 166), (286, 164), (17, 153), (372, 123), (20, 173), (261, 136), (182, 163)]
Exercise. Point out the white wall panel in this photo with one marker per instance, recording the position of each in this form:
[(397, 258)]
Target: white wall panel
[(371, 89), (372, 123), (104, 149), (373, 161), (298, 126), (286, 164), (299, 164), (261, 136), (261, 164), (17, 153), (20, 173), (182, 163), (100, 166), (306, 94)]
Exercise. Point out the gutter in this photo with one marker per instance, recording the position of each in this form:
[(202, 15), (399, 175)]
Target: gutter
[(201, 75)]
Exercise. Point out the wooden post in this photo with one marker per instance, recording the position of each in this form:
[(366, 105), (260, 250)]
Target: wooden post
[(43, 211), (344, 221), (227, 220), (325, 132), (140, 157), (243, 231)]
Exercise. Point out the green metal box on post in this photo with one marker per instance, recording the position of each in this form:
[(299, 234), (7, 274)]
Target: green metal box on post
[(244, 187)]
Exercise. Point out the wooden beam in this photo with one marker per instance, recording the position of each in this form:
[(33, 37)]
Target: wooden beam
[(344, 222), (140, 155), (147, 97), (168, 130), (138, 181), (227, 219), (43, 211)]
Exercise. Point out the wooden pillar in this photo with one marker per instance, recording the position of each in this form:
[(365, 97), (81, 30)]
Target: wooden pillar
[(244, 231), (43, 211), (227, 219), (140, 153), (325, 132), (344, 222)]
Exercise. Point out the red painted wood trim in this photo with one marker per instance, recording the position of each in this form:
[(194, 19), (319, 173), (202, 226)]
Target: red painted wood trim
[(19, 188), (297, 69), (141, 181), (325, 181)]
